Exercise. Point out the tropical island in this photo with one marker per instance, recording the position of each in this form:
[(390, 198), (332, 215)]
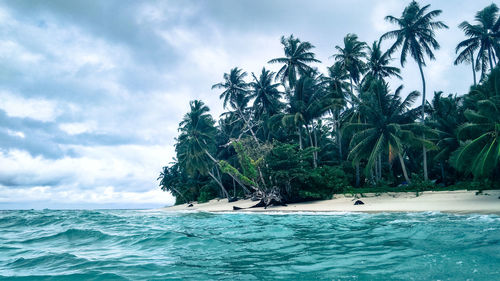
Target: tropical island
[(301, 135)]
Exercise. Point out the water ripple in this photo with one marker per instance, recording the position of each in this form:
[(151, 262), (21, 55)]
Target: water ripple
[(138, 245)]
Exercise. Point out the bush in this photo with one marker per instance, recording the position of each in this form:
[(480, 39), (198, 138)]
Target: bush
[(322, 183)]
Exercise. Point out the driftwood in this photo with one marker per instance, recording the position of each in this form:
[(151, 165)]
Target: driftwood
[(272, 198)]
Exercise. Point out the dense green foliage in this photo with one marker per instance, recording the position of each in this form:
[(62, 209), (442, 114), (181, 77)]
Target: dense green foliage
[(300, 134)]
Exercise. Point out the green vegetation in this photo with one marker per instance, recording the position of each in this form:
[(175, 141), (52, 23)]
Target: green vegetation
[(300, 134)]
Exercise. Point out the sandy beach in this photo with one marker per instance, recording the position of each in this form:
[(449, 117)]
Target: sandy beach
[(459, 201)]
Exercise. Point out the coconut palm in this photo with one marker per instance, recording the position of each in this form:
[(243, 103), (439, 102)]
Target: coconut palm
[(169, 177), (296, 61), (234, 86), (351, 57), (480, 153), (237, 94), (484, 37), (336, 88), (416, 37), (377, 64), (197, 141), (306, 104), (388, 129), (446, 117), (266, 94)]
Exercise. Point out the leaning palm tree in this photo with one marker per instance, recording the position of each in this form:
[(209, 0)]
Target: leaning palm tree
[(167, 179), (197, 141), (296, 61), (416, 37), (351, 57), (237, 94), (484, 37)]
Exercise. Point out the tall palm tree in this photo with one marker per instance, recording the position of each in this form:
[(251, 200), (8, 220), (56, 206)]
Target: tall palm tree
[(377, 64), (306, 104), (336, 89), (351, 58), (266, 93), (197, 141), (416, 37), (296, 61), (237, 94), (484, 37), (389, 127)]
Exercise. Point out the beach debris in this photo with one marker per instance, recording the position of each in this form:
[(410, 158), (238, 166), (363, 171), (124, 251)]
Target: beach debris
[(359, 202), (237, 208), (190, 205), (232, 199)]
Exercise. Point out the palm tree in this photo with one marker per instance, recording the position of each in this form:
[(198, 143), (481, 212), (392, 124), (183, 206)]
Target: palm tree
[(389, 127), (297, 57), (237, 94), (307, 103), (168, 178), (446, 117), (480, 152), (196, 141), (266, 94), (351, 57), (484, 37), (377, 64), (416, 37), (336, 89)]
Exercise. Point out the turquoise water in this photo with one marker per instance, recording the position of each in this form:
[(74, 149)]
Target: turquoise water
[(139, 245)]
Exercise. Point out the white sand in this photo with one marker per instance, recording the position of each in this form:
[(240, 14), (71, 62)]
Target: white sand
[(460, 201)]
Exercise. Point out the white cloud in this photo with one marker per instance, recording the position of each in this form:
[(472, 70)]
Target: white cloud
[(34, 108), (78, 128), (86, 178), (18, 134)]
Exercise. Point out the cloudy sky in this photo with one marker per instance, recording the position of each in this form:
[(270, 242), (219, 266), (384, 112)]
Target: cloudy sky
[(91, 92)]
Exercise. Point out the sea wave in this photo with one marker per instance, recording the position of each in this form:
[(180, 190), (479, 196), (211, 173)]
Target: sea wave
[(157, 245)]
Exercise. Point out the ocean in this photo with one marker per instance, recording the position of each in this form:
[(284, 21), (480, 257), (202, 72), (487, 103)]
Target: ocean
[(156, 245)]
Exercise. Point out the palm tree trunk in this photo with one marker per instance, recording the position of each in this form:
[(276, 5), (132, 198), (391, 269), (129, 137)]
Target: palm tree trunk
[(232, 176), (403, 167), (424, 150), (357, 175), (300, 137), (442, 173), (315, 144), (182, 195), (473, 70), (379, 166), (352, 90), (489, 56), (315, 163), (339, 136), (224, 191)]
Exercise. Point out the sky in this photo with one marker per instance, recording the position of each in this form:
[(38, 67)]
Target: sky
[(92, 92)]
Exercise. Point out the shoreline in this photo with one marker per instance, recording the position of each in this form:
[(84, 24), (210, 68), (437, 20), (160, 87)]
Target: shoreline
[(457, 201)]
